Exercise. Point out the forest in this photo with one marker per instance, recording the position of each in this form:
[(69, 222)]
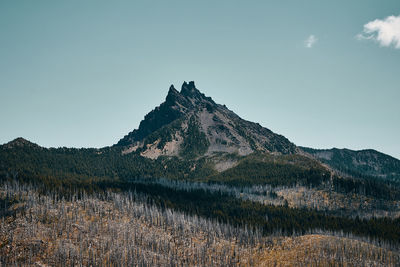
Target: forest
[(132, 228), (234, 217), (70, 165)]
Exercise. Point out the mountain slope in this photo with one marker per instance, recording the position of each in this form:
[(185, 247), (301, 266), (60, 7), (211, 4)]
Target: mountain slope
[(226, 186), (369, 162), (189, 124)]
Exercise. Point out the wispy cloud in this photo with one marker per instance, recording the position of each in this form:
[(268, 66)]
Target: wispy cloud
[(386, 32), (310, 41)]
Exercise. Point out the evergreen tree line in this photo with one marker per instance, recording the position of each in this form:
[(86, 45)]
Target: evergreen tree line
[(68, 165)]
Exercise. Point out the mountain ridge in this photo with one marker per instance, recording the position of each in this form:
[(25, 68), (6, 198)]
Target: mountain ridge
[(365, 162)]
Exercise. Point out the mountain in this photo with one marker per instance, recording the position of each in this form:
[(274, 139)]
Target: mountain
[(361, 163), (204, 187), (191, 136), (189, 124)]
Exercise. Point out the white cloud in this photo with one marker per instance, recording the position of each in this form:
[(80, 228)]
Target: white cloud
[(310, 41), (386, 32)]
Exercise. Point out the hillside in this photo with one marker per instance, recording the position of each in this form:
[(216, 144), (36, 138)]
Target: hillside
[(124, 229), (361, 163)]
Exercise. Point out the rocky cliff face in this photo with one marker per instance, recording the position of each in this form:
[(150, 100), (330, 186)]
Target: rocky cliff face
[(189, 124)]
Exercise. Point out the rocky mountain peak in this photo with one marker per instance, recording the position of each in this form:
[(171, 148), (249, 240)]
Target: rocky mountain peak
[(172, 91), (190, 124), (190, 92), (189, 89), (177, 100)]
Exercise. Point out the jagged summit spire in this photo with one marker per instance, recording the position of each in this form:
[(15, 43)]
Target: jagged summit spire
[(172, 91), (188, 97), (189, 89), (188, 85)]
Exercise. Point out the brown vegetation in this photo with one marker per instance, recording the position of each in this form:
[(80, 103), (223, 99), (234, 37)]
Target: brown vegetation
[(123, 229)]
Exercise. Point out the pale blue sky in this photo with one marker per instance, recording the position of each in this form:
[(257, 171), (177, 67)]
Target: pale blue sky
[(84, 73)]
